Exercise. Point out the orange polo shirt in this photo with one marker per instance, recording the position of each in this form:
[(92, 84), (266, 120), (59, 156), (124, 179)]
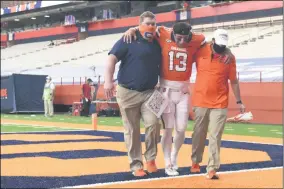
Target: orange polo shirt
[(211, 89)]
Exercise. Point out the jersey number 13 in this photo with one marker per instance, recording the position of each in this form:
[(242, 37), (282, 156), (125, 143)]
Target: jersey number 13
[(182, 57)]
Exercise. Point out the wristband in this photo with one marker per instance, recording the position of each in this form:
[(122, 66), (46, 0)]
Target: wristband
[(239, 102)]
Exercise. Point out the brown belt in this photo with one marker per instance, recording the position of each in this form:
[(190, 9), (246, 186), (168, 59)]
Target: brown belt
[(163, 89)]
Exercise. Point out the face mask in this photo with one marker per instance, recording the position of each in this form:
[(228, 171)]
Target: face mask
[(219, 49), (147, 32)]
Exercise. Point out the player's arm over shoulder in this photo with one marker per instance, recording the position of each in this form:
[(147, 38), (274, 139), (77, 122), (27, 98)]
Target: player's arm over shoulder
[(161, 30), (199, 38)]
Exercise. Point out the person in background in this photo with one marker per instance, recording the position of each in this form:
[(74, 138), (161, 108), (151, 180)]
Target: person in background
[(96, 85), (48, 97), (51, 43), (87, 97)]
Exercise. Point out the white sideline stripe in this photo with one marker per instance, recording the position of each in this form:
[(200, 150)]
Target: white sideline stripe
[(252, 131), (229, 129), (27, 125), (40, 131), (35, 125), (17, 126), (59, 129), (164, 178)]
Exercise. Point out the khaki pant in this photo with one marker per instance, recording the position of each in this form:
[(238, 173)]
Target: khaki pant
[(48, 107), (215, 119), (132, 108)]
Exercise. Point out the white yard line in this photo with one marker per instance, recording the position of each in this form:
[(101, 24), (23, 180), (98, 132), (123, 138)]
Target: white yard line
[(41, 126), (252, 131), (165, 178), (40, 131)]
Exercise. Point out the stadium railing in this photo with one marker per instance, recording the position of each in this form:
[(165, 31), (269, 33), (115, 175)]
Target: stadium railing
[(240, 23)]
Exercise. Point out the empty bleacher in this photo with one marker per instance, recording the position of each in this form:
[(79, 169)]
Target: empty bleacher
[(257, 45)]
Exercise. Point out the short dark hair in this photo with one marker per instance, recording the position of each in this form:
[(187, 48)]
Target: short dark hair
[(145, 15), (182, 28)]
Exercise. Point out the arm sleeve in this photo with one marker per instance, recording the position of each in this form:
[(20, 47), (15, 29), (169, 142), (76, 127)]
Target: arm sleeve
[(233, 70), (158, 32), (119, 49)]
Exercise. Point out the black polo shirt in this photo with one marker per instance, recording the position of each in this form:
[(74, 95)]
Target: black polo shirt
[(140, 63)]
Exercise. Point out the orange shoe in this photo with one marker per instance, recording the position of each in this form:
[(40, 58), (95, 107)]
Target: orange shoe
[(212, 175), (139, 173), (151, 166), (195, 168)]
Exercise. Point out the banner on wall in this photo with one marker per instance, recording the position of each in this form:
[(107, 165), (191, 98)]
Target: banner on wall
[(69, 20), (183, 15), (11, 36), (29, 90), (22, 93), (82, 27), (30, 6), (7, 94)]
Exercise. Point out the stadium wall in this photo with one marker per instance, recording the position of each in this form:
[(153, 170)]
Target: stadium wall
[(4, 38), (264, 100), (202, 15)]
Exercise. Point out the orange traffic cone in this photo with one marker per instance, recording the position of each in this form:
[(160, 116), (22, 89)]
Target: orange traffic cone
[(95, 121)]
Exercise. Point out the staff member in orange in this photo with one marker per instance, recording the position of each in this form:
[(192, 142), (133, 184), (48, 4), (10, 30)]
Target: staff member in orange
[(210, 101)]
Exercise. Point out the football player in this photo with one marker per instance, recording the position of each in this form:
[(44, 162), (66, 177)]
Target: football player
[(179, 45)]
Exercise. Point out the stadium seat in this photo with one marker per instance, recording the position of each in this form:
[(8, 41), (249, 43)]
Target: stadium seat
[(82, 56)]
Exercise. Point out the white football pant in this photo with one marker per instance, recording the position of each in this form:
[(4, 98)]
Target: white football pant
[(175, 117)]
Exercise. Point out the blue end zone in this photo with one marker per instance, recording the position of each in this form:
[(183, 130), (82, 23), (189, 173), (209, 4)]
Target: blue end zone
[(274, 151), (78, 154)]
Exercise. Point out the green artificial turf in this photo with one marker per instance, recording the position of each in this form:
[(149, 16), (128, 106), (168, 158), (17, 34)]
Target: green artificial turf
[(274, 131)]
